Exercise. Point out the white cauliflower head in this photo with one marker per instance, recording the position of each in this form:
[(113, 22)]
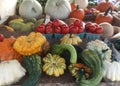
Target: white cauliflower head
[(100, 47)]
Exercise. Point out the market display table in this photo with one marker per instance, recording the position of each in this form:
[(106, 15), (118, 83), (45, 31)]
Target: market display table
[(64, 80)]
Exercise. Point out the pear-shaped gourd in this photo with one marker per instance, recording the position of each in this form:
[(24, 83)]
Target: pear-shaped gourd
[(7, 8), (59, 9), (30, 9)]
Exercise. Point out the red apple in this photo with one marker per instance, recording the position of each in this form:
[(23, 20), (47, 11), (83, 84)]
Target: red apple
[(99, 30), (78, 23), (80, 30), (56, 23), (1, 37), (74, 30), (65, 30)]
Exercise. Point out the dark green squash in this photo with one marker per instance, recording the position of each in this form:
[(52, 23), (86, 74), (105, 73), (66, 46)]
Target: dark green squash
[(33, 65)]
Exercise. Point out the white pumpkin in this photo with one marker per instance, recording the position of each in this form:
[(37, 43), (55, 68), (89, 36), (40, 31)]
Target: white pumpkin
[(59, 9), (30, 9), (7, 8), (111, 70), (10, 72)]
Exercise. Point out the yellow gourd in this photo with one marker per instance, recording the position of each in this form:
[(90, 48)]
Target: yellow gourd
[(31, 44)]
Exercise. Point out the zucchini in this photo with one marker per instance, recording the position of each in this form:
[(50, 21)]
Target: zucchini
[(33, 65)]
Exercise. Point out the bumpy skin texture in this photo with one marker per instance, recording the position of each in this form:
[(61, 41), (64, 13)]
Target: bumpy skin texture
[(31, 44), (54, 65)]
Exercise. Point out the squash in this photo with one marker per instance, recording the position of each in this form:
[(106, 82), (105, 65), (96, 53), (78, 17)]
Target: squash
[(7, 52), (60, 48), (73, 5), (10, 72), (104, 5), (78, 13), (104, 17), (7, 8), (111, 70), (108, 30), (33, 65), (93, 61), (30, 9), (70, 39), (54, 65), (82, 3), (59, 9), (31, 44)]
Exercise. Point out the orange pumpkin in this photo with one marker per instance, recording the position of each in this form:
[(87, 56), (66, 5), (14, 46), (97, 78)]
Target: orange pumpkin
[(78, 13), (6, 50), (104, 17), (104, 5)]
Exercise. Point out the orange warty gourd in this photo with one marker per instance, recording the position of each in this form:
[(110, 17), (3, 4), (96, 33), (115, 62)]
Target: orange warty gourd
[(104, 5), (104, 17), (7, 51), (78, 13)]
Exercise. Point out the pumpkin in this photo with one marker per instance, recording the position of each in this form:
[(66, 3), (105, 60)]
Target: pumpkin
[(30, 9), (7, 52), (10, 72), (70, 39), (104, 17), (31, 44), (104, 5), (54, 65), (59, 9), (78, 13)]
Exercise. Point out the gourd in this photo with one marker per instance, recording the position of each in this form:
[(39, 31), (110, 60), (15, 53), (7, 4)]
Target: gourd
[(10, 72), (30, 9), (101, 47), (7, 52), (111, 70), (33, 65), (82, 3), (104, 17), (60, 48), (59, 9), (31, 44), (78, 13), (54, 65), (104, 5), (70, 39), (7, 8), (108, 30), (93, 60)]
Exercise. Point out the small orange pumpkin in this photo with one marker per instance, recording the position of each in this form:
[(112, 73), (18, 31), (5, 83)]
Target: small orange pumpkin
[(104, 17), (78, 13), (104, 5), (7, 51)]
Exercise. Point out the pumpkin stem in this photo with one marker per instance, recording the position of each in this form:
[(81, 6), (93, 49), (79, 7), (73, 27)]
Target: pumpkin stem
[(107, 11), (78, 7), (107, 0)]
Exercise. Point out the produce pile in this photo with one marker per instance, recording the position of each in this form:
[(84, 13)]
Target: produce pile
[(88, 50)]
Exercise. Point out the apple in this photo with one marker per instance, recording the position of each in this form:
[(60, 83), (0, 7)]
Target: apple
[(1, 37), (74, 29), (99, 30), (56, 23), (78, 23)]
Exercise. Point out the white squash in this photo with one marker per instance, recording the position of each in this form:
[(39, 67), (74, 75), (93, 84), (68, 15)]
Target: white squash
[(30, 9), (10, 72), (111, 70), (59, 9), (7, 8)]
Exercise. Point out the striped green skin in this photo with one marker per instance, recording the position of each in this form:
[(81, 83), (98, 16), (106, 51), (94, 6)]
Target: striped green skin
[(93, 61), (33, 65)]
